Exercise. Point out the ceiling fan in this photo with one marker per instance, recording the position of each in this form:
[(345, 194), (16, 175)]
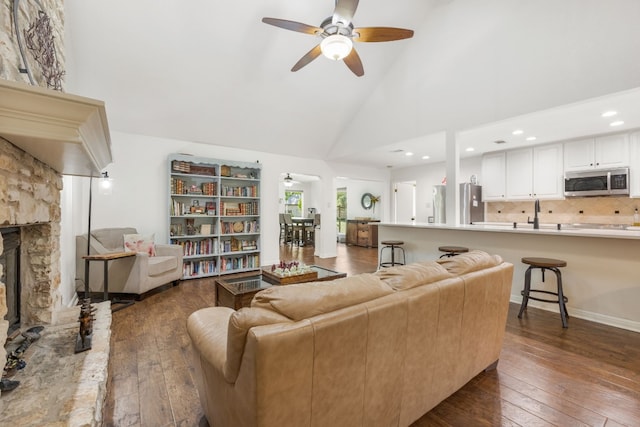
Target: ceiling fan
[(337, 33)]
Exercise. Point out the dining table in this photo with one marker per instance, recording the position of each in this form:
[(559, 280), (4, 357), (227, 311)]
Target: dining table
[(300, 223)]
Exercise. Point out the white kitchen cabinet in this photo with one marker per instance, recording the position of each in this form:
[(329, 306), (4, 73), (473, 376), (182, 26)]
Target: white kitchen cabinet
[(493, 177), (519, 176), (535, 173), (600, 152), (548, 175), (634, 164)]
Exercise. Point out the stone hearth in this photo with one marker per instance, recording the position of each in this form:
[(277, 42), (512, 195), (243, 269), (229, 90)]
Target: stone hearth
[(59, 387)]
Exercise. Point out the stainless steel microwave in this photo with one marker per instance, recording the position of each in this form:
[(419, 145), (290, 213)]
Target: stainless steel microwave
[(597, 182)]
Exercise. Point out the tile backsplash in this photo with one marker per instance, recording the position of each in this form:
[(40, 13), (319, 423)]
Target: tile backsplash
[(591, 210)]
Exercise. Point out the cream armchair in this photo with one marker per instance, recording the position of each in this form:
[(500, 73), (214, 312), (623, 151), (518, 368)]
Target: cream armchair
[(132, 275)]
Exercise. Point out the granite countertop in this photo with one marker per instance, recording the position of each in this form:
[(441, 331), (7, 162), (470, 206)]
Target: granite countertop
[(577, 230)]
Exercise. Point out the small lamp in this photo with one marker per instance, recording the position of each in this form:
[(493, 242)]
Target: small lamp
[(336, 46)]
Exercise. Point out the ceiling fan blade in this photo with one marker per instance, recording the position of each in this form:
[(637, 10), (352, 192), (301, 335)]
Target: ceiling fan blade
[(310, 56), (292, 25), (344, 11), (354, 63), (381, 34)]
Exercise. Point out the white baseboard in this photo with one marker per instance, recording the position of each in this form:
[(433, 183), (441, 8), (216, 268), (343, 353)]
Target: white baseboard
[(617, 322)]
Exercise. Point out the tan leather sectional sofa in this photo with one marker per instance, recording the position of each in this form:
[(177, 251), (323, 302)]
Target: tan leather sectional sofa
[(377, 349)]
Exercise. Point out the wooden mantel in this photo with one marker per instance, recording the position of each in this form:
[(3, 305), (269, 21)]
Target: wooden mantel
[(70, 133)]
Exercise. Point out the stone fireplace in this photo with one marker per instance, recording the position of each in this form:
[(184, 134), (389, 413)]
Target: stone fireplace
[(30, 200), (31, 209), (45, 134)]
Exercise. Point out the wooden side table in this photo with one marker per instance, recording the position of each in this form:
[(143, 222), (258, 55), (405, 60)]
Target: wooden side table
[(105, 258)]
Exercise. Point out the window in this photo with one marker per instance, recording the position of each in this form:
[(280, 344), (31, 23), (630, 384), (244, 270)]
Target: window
[(294, 203)]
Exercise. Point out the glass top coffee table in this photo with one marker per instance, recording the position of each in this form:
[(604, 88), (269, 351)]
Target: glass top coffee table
[(238, 291)]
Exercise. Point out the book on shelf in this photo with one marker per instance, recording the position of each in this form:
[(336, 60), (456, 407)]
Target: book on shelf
[(239, 208), (205, 229)]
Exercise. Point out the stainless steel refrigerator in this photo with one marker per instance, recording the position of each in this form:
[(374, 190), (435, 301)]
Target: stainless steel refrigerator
[(471, 204), (439, 204)]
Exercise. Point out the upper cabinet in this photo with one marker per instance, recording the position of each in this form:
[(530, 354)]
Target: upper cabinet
[(534, 173), (548, 175), (634, 166), (538, 172), (493, 176), (599, 152), (519, 177)]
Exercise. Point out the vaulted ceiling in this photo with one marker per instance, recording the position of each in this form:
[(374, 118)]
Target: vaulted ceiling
[(212, 72)]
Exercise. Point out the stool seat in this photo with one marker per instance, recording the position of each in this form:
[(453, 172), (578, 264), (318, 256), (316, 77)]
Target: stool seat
[(544, 262), (452, 250), (392, 245)]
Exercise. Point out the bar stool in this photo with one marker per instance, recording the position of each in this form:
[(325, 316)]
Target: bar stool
[(452, 250), (544, 264), (392, 245)]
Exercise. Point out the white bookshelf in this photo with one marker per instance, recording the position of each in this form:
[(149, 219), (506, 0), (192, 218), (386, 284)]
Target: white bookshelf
[(214, 214)]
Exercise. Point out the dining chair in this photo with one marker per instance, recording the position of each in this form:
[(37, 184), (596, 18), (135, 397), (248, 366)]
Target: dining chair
[(310, 230), (284, 230), (292, 230)]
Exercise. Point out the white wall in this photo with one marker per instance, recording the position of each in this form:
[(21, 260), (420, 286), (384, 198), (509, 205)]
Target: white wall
[(140, 196), (432, 174), (355, 190), (482, 62), (312, 195)]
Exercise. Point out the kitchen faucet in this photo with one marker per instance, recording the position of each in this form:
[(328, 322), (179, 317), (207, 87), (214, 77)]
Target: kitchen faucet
[(536, 221)]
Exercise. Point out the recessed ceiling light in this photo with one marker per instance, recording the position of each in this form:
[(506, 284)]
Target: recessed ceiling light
[(408, 153), (531, 138), (616, 123), (470, 149), (610, 113), (425, 157), (517, 132)]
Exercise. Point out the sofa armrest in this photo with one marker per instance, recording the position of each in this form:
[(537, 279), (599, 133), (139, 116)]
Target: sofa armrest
[(208, 331), (169, 250)]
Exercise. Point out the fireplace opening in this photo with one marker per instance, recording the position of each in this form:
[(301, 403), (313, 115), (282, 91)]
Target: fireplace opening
[(10, 261)]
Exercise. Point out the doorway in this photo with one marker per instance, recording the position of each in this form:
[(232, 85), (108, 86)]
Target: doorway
[(341, 213), (404, 207)]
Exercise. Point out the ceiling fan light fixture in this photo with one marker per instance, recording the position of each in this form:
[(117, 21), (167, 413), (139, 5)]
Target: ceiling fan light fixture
[(336, 46), (288, 181)]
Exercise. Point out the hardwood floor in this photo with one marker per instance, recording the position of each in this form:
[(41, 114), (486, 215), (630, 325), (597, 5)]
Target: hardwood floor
[(586, 375)]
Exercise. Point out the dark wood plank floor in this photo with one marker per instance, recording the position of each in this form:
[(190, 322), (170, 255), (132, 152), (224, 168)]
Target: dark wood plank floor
[(586, 375)]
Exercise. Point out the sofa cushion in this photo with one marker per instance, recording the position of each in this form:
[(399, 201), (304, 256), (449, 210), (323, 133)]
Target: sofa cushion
[(111, 238), (139, 243), (304, 300), (161, 264), (412, 275), (239, 324), (470, 261)]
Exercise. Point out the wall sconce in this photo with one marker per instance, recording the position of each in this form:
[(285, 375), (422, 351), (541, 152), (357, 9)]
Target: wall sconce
[(106, 184)]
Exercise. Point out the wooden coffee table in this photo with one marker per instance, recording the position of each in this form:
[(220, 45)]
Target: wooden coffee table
[(237, 291)]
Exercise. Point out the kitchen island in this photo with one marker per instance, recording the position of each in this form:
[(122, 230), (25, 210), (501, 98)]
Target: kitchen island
[(601, 279)]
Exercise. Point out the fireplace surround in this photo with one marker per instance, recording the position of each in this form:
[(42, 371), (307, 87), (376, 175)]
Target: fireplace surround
[(30, 200), (10, 265)]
